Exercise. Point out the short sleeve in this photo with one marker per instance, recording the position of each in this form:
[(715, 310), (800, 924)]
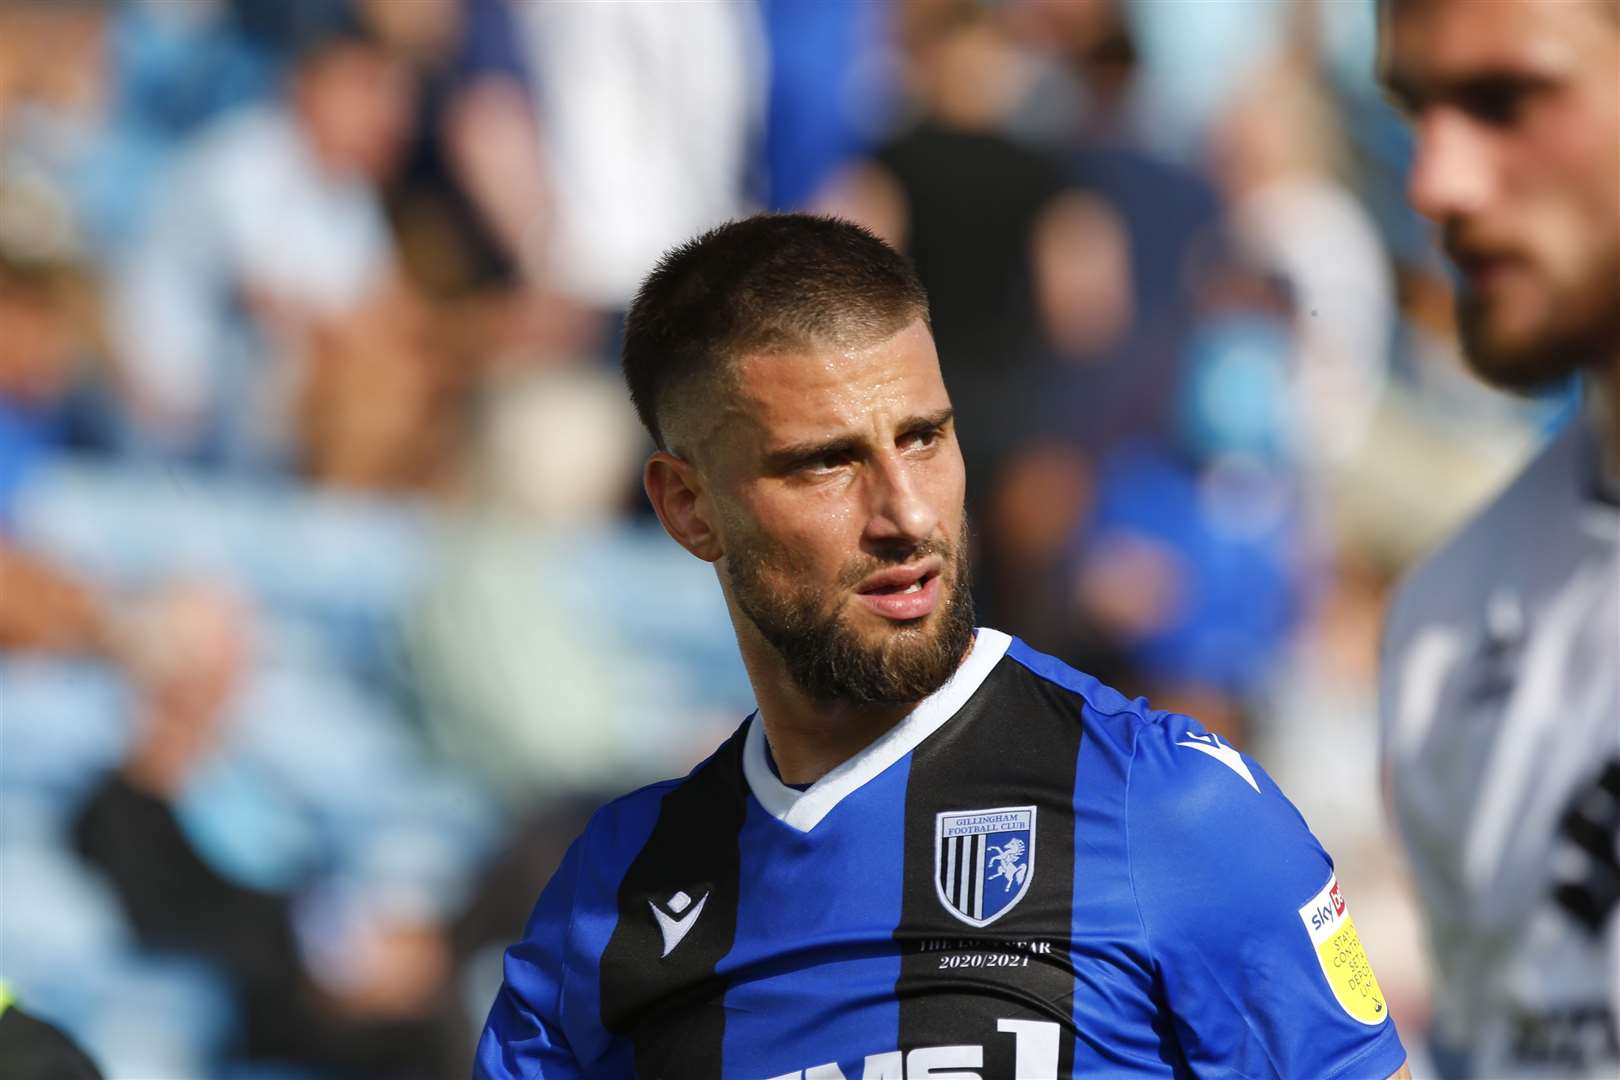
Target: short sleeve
[(523, 1038), (1252, 942)]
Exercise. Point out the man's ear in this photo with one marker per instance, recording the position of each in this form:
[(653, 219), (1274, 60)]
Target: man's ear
[(678, 497)]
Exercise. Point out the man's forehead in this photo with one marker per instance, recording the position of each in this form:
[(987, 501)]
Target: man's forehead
[(840, 383), (1424, 45), (772, 399)]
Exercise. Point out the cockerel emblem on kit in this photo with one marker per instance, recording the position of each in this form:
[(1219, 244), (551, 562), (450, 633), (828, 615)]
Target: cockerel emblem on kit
[(983, 861)]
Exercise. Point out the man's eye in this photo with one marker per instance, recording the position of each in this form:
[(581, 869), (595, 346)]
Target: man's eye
[(922, 439), (825, 463), (1499, 101)]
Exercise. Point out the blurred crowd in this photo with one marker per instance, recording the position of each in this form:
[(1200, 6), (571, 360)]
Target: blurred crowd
[(329, 606)]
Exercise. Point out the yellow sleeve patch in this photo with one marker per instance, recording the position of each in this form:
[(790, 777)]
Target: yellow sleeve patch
[(1344, 962)]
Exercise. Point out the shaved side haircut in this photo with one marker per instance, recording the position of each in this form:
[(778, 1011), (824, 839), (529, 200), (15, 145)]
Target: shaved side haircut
[(771, 283)]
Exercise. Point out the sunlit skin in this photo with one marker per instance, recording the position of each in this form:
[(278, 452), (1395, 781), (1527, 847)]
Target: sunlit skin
[(818, 461), (1516, 111)]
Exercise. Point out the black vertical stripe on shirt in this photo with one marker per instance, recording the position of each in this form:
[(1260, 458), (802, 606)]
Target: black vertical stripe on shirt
[(1015, 743), (671, 1008), (970, 876)]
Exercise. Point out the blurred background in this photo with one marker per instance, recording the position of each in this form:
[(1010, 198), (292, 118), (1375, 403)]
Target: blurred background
[(329, 602)]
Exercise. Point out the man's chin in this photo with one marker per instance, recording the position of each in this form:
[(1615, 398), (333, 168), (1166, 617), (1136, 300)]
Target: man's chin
[(1521, 361), (871, 660)]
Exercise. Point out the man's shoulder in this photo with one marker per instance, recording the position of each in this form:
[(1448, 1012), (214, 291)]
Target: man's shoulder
[(1153, 756), (1208, 830), (624, 821), (1129, 727), (624, 824), (1103, 711)]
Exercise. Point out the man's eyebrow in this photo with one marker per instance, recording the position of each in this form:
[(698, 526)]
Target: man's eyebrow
[(789, 457), (1470, 89), (930, 421)]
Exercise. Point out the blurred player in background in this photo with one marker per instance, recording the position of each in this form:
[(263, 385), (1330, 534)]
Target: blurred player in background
[(1501, 675), (932, 850)]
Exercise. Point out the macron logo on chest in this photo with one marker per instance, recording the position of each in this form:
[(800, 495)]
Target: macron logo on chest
[(680, 917)]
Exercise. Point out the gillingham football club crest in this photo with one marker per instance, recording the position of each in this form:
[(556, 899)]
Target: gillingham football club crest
[(983, 861)]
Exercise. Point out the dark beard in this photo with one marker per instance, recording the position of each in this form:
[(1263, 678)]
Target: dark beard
[(829, 663), (1537, 366), (1582, 332)]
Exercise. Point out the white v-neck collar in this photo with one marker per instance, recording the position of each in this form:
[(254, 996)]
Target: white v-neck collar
[(803, 810)]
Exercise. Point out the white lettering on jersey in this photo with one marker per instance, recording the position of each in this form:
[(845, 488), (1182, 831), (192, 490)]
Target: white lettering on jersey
[(824, 1072), (884, 1067), (944, 1062), (1035, 1057), (888, 1066), (1212, 745)]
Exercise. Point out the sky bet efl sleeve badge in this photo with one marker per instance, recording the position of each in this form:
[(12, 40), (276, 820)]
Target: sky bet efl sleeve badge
[(983, 861), (1343, 960)]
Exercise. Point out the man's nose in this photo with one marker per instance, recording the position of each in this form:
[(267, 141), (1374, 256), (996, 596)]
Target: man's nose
[(1451, 176), (899, 509)]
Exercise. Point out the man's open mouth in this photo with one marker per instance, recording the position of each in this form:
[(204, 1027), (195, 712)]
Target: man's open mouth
[(901, 579)]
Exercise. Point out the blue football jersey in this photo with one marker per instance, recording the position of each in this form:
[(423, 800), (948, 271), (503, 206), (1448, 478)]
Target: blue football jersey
[(1030, 876)]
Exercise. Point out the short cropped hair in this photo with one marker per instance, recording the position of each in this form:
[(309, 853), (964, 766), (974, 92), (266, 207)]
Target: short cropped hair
[(767, 283)]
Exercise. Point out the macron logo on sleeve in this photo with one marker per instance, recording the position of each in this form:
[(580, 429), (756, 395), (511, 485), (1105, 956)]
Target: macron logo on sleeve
[(680, 918), (1212, 745)]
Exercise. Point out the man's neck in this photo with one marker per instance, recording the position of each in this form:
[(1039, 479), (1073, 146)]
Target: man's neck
[(808, 738)]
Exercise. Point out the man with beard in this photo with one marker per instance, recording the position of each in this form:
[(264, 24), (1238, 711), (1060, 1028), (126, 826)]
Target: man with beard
[(1501, 672), (932, 851)]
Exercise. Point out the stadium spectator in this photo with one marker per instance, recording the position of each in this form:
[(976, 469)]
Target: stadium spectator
[(44, 299), (389, 1013), (501, 645), (474, 204), (1092, 92), (1279, 160), (646, 144), (269, 233), (472, 199), (830, 93)]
